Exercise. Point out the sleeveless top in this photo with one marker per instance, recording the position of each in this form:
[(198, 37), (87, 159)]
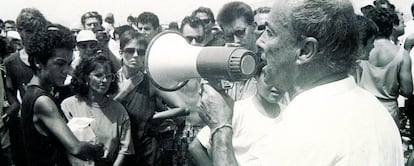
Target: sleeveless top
[(40, 149), (382, 82), (140, 107)]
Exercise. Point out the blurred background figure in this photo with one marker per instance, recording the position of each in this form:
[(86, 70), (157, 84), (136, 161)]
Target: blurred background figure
[(261, 14), (367, 32), (131, 21), (173, 26), (75, 28), (14, 40), (213, 33), (193, 29), (387, 72), (9, 25), (5, 150), (385, 4), (91, 20), (19, 74), (109, 23), (148, 24), (86, 44)]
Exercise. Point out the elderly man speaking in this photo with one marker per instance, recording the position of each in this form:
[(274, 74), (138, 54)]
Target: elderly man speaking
[(309, 48)]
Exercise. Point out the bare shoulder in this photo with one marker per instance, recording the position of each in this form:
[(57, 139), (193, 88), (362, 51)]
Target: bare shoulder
[(44, 105)]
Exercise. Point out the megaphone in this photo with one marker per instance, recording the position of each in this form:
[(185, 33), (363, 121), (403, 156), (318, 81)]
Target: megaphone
[(170, 62)]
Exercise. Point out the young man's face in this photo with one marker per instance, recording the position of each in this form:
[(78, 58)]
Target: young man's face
[(194, 36), (91, 23), (9, 27), (204, 18), (87, 48), (268, 92), (58, 67), (260, 23), (147, 29), (240, 33)]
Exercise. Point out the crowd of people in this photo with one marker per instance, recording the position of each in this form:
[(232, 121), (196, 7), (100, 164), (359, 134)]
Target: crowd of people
[(329, 89)]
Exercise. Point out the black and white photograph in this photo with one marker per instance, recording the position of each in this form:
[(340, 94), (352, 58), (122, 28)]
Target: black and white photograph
[(207, 83)]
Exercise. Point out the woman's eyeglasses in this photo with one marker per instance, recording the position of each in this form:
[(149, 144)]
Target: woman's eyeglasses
[(110, 77)]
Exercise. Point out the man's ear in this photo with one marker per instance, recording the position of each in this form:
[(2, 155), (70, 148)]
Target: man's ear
[(308, 50)]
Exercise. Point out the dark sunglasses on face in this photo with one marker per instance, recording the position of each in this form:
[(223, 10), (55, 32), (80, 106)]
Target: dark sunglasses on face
[(239, 33), (198, 39), (260, 27), (131, 51), (146, 29), (205, 21), (85, 45)]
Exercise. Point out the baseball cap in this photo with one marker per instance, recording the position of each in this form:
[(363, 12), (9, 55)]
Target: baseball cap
[(86, 35)]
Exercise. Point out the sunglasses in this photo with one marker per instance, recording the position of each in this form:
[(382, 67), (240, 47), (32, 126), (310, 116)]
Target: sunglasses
[(260, 27), (131, 51), (198, 39), (239, 33), (85, 45), (205, 21)]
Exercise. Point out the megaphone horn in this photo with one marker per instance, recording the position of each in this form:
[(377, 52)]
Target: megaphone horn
[(170, 62)]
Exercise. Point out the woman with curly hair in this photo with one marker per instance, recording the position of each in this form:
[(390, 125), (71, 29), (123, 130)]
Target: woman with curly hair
[(94, 80), (46, 135)]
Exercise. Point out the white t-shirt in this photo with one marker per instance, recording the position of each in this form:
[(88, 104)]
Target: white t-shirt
[(249, 125), (336, 124)]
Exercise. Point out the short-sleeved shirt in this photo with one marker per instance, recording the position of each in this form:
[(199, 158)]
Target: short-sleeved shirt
[(249, 125), (111, 124)]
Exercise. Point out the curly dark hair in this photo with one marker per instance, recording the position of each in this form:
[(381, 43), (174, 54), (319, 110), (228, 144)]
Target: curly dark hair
[(385, 19), (30, 19), (85, 67), (43, 43)]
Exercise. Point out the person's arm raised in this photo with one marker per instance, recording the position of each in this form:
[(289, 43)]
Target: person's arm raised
[(46, 111), (217, 112), (177, 106)]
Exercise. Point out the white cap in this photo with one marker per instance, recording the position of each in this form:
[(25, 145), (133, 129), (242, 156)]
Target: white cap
[(85, 35), (13, 35)]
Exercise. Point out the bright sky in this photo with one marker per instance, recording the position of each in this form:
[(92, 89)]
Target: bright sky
[(67, 12)]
